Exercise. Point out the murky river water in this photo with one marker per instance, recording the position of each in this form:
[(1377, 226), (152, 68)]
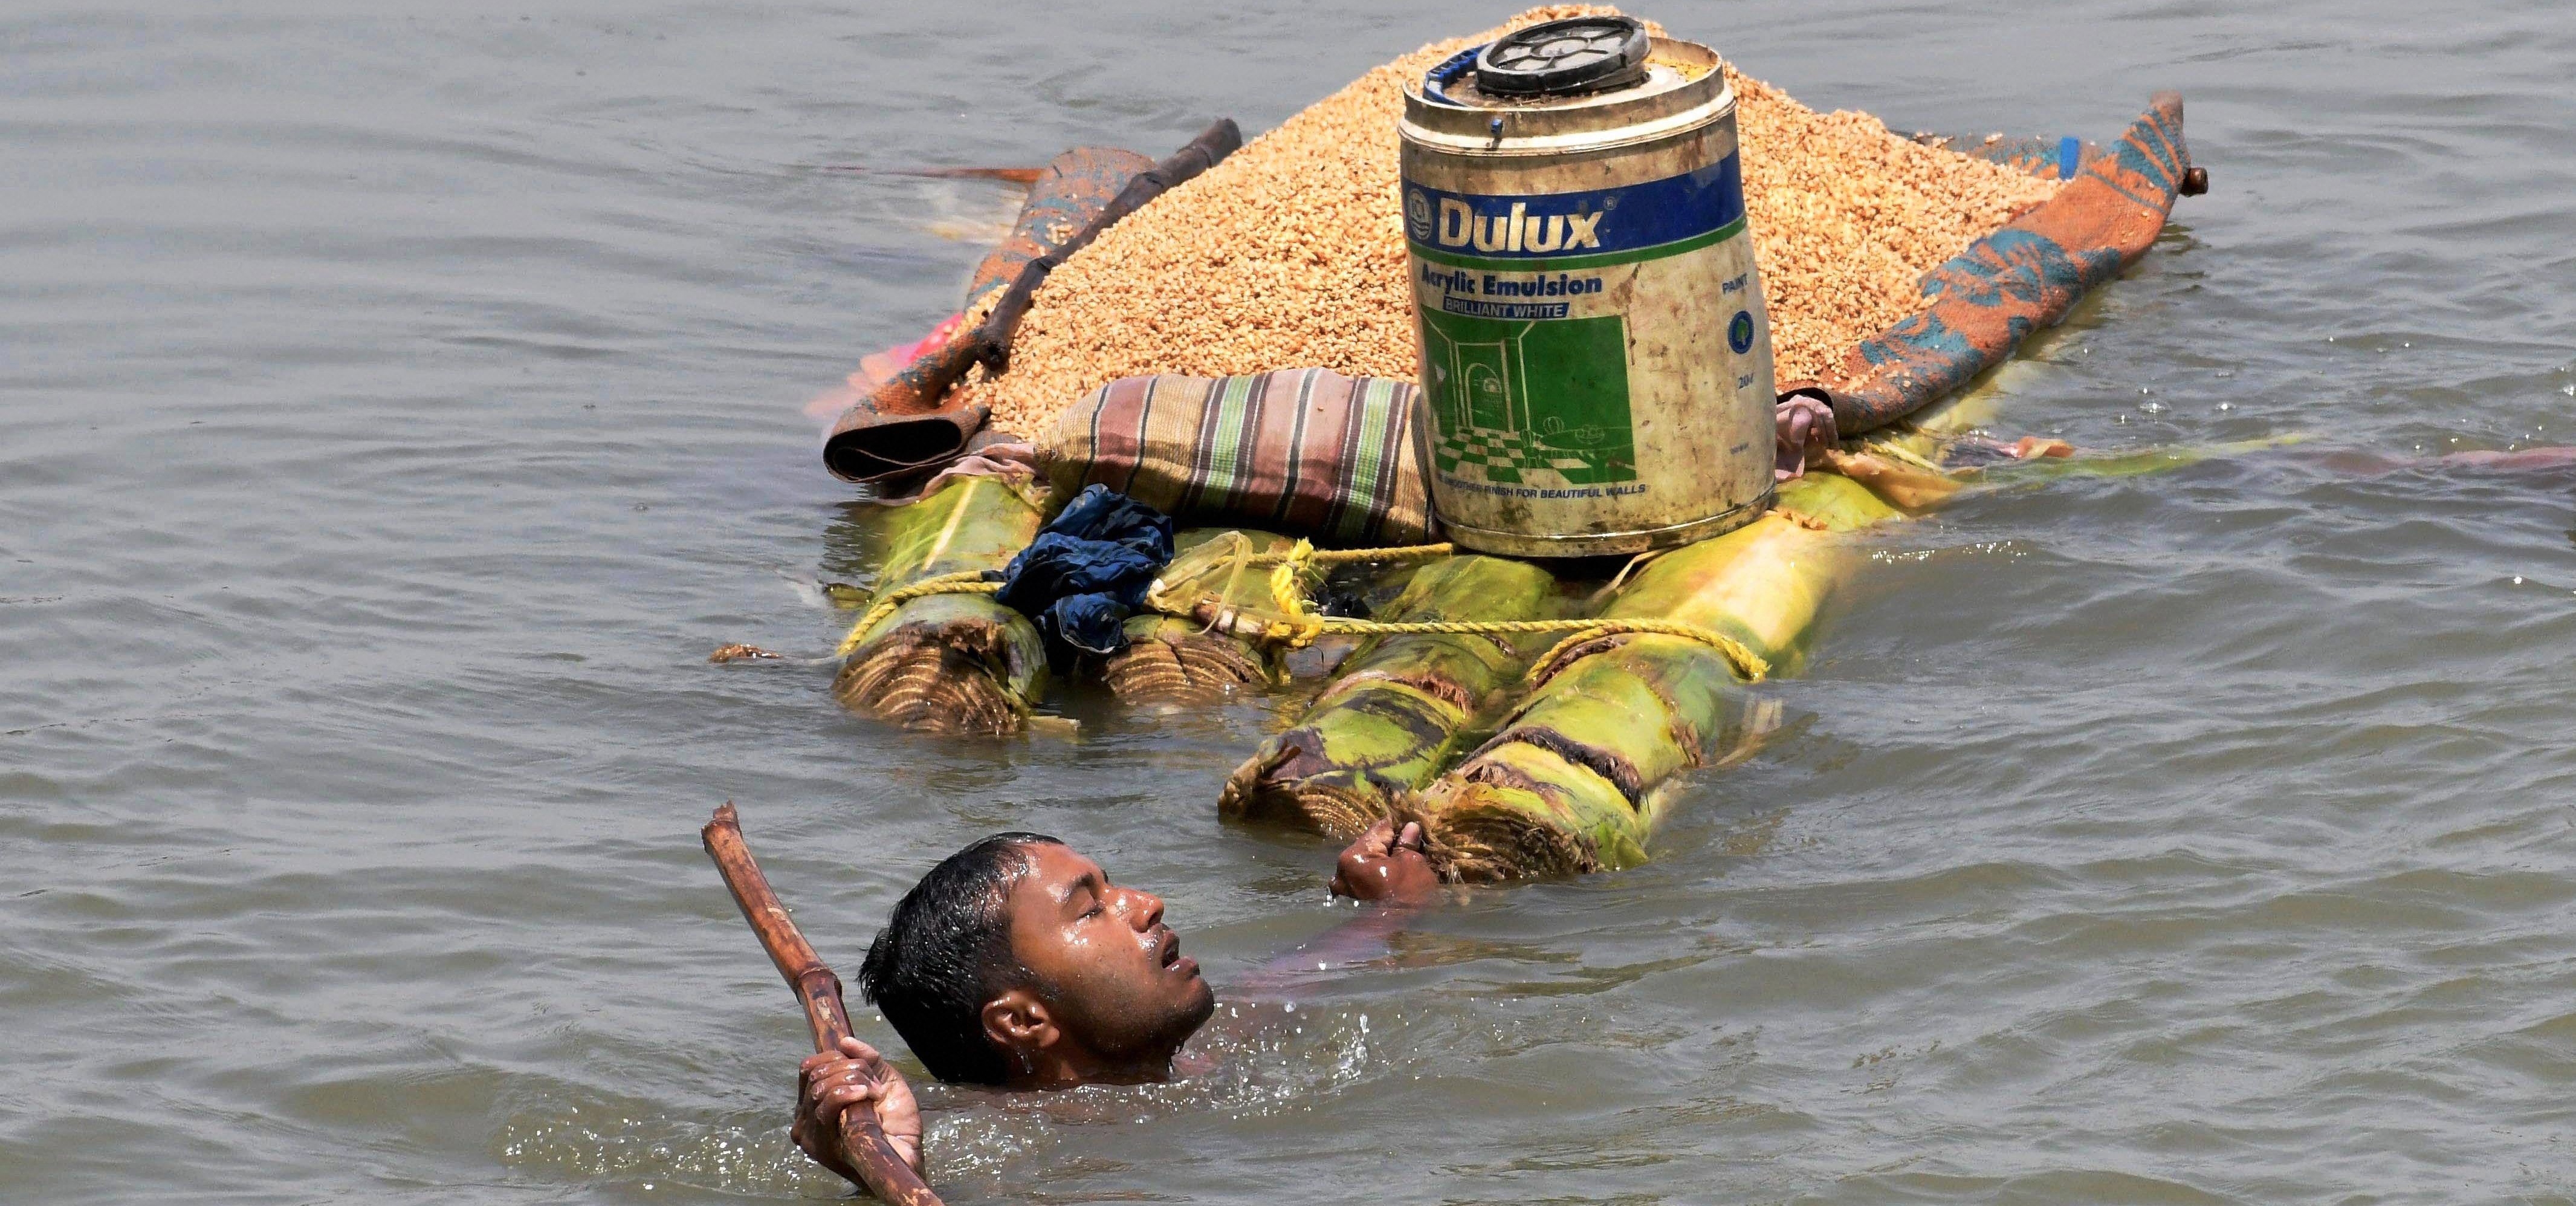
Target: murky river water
[(396, 408)]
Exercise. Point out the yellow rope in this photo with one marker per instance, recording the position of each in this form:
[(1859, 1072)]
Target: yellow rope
[(1907, 455), (1751, 665), (1284, 590), (963, 582), (1300, 623), (1306, 552), (1299, 635)]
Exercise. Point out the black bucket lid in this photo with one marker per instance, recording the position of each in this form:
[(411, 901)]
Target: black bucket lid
[(1565, 58)]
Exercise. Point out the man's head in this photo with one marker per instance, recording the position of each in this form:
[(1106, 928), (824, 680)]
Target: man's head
[(1016, 961)]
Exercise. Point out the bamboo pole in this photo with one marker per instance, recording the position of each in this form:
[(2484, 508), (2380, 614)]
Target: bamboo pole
[(1578, 774), (1402, 704), (950, 663), (882, 1171)]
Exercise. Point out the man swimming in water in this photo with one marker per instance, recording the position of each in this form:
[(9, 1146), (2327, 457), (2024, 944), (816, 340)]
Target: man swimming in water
[(1016, 963)]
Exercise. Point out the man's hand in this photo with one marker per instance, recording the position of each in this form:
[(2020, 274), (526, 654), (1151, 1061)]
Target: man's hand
[(1386, 865), (859, 1077), (1800, 423)]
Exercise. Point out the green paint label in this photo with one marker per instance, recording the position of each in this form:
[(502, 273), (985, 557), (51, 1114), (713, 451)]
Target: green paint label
[(1541, 405)]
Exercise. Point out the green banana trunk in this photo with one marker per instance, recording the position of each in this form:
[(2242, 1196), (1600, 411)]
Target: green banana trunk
[(1403, 702), (958, 663), (1892, 470), (1580, 772), (2018, 474), (1175, 660)]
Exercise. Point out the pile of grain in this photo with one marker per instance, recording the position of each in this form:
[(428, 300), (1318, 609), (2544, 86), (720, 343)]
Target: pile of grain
[(1291, 252), (1847, 217)]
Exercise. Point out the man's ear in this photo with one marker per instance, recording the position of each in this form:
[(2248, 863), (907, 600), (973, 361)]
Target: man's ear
[(1017, 1021)]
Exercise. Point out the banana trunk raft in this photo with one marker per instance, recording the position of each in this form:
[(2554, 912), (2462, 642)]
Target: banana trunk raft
[(1173, 660), (1396, 714), (1587, 751), (1585, 765), (949, 662)]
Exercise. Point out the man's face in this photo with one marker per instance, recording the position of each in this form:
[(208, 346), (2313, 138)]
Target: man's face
[(1107, 966)]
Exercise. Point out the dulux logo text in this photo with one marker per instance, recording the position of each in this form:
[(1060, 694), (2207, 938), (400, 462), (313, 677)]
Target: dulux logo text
[(1457, 224), (1701, 202)]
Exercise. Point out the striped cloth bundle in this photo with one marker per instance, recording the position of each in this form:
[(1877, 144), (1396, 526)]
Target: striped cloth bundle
[(1303, 452)]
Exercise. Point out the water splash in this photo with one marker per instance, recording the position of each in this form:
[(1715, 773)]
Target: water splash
[(1255, 1060), (563, 1141)]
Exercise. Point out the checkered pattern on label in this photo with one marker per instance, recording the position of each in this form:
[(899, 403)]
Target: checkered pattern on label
[(1504, 456)]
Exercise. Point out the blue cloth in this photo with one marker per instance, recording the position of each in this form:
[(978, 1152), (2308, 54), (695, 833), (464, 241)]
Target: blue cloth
[(1088, 570)]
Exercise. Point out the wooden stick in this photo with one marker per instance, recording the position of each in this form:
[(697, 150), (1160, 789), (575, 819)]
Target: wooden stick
[(882, 1170)]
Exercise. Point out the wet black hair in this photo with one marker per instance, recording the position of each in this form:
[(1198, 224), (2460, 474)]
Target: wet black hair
[(945, 952)]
